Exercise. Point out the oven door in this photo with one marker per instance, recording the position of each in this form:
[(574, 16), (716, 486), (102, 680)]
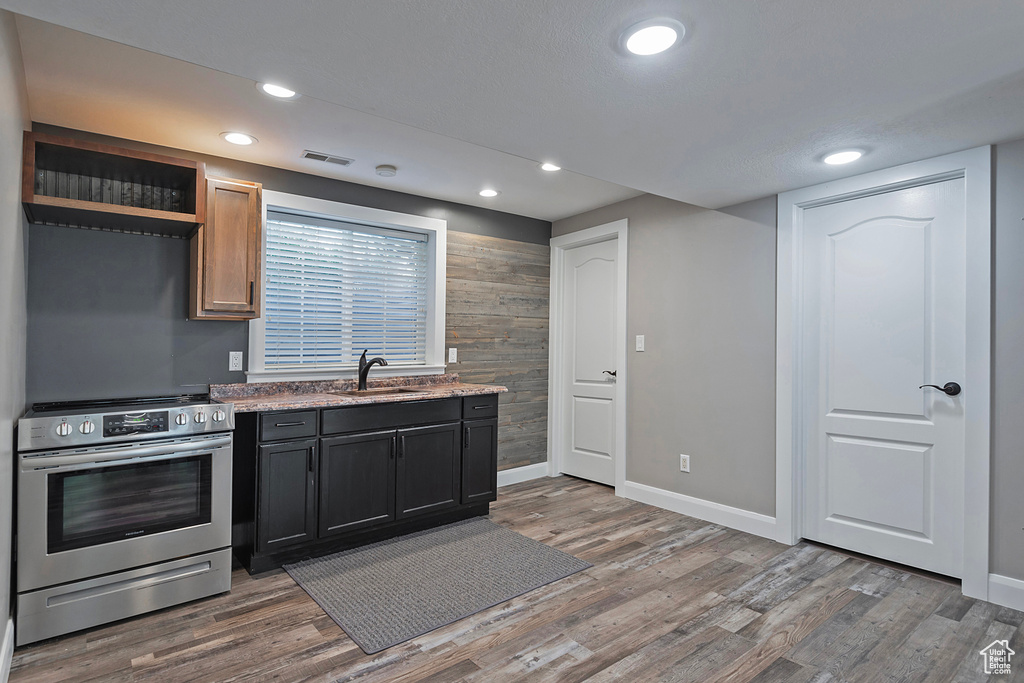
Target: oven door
[(87, 512)]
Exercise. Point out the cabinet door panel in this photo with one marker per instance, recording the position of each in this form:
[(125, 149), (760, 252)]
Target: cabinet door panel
[(287, 502), (428, 469), (479, 461), (357, 482), (231, 247)]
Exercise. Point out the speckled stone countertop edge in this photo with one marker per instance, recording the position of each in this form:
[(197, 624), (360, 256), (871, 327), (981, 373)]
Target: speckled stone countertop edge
[(319, 398), (320, 386)]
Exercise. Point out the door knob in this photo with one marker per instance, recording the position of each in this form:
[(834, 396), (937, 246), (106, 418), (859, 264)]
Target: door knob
[(951, 388), (609, 372)]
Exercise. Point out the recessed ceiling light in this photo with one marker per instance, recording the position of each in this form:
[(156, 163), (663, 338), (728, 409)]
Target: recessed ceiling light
[(550, 167), (386, 171), (844, 157), (278, 91), (489, 193), (236, 138), (653, 36)]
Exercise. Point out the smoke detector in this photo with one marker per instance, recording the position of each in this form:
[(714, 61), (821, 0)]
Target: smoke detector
[(386, 171)]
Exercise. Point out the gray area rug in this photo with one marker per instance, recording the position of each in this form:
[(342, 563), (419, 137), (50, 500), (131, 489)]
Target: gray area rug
[(389, 592)]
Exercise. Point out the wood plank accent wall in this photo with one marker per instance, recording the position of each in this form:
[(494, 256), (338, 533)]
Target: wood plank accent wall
[(497, 317)]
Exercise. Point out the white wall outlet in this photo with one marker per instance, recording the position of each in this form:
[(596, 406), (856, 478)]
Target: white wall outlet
[(684, 463), (453, 355), (234, 361), (639, 342)]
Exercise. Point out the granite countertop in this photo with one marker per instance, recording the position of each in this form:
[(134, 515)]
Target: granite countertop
[(249, 398)]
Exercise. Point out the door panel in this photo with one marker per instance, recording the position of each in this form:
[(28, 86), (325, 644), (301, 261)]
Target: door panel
[(429, 469), (895, 498), (590, 320), (357, 482), (480, 461), (877, 357), (287, 497), (885, 313)]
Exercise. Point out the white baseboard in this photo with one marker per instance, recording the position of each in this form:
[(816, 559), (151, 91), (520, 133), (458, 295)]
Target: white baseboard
[(7, 651), (1002, 590), (735, 518), (520, 474)]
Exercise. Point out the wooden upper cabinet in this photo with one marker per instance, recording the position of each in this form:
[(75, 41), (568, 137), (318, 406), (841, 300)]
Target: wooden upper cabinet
[(225, 264)]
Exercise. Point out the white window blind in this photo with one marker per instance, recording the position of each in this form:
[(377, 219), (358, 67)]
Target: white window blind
[(335, 288)]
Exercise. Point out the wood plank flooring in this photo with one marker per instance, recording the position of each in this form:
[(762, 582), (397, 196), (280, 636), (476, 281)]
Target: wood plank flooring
[(670, 598)]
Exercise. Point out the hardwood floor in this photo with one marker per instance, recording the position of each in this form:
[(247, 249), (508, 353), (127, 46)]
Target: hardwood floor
[(670, 598)]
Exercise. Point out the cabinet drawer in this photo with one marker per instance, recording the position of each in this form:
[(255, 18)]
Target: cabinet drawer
[(477, 407), (287, 425), (387, 415)]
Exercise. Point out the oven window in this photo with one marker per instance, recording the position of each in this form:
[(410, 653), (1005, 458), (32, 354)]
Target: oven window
[(104, 504)]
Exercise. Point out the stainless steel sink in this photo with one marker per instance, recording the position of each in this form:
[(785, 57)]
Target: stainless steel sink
[(382, 391)]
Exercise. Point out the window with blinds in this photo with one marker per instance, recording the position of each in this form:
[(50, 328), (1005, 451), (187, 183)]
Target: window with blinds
[(334, 288)]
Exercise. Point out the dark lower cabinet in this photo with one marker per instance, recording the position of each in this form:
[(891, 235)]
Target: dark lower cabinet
[(357, 482), (310, 482), (479, 461), (286, 513), (428, 469)]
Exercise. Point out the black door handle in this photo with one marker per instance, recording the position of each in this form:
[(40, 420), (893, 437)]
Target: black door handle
[(609, 372), (951, 388)]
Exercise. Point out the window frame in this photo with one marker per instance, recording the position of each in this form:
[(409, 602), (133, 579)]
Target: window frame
[(436, 231)]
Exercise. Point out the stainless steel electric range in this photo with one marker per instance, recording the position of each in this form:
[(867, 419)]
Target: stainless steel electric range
[(124, 507)]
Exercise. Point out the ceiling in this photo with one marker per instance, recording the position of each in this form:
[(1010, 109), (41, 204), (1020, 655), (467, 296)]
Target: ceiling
[(463, 93)]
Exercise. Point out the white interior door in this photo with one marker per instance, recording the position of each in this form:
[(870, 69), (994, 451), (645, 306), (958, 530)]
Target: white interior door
[(884, 279), (589, 351)]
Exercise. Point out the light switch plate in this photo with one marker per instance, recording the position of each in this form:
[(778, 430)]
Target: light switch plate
[(639, 342), (234, 361), (453, 355)]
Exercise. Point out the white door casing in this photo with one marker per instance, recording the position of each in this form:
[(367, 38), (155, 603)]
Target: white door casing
[(586, 405), (884, 285)]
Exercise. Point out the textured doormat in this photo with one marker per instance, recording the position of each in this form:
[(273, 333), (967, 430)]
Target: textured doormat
[(392, 591)]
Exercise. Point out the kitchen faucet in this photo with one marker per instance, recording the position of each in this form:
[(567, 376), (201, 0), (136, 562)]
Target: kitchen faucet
[(364, 368)]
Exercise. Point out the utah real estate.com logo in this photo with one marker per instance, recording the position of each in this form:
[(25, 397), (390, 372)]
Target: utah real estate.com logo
[(997, 657)]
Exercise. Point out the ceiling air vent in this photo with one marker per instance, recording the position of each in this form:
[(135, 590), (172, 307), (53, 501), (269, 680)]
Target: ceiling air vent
[(329, 158)]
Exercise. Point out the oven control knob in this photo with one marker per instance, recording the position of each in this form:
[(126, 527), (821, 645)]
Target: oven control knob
[(200, 417), (63, 429), (181, 419), (218, 416), (87, 427)]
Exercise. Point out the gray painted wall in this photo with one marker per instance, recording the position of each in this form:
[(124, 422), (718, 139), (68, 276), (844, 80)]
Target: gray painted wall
[(107, 317), (13, 119), (112, 307), (1007, 535), (702, 291)]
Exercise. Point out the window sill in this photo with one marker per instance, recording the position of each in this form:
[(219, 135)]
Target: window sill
[(304, 375)]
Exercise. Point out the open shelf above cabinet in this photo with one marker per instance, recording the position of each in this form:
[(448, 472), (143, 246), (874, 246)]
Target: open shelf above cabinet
[(74, 183)]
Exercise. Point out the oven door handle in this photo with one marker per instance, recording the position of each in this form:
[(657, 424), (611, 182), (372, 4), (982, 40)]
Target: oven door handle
[(125, 454)]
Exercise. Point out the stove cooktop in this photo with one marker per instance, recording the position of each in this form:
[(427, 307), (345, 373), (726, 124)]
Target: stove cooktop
[(68, 424)]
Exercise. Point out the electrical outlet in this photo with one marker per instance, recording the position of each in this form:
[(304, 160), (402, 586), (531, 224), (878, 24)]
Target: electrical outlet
[(684, 463), (639, 342), (453, 355), (234, 361)]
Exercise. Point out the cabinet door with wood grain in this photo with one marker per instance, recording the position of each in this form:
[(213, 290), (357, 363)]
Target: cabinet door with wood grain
[(226, 252)]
